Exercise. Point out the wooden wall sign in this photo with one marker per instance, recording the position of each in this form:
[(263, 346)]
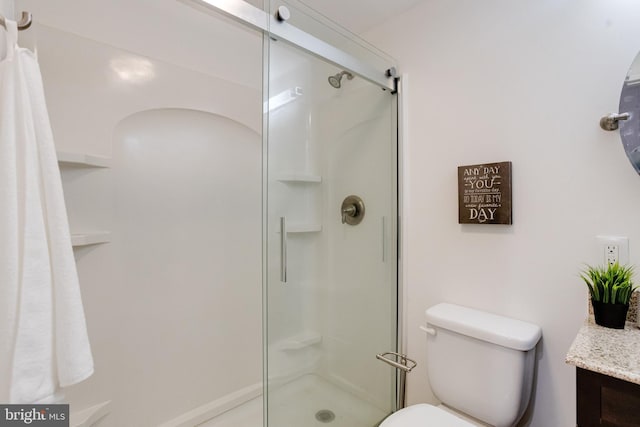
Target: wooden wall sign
[(484, 194)]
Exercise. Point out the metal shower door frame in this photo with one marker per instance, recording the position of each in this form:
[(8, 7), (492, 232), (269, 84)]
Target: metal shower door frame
[(258, 19)]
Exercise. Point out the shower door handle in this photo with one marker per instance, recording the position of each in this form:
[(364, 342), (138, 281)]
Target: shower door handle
[(283, 249), (384, 239)]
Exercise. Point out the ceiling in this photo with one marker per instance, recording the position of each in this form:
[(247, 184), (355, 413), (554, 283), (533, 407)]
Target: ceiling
[(356, 16), (359, 16)]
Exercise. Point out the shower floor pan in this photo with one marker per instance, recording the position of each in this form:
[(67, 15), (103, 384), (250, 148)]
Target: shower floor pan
[(309, 401)]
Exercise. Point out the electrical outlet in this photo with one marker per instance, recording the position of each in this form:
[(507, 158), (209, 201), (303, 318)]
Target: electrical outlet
[(611, 254), (613, 249)]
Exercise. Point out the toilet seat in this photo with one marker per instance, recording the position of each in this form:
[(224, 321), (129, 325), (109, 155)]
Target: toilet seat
[(422, 415)]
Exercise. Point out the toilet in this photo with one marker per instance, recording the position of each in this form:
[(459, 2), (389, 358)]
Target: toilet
[(480, 366)]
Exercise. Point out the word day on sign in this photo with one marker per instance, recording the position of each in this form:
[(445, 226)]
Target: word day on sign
[(484, 194)]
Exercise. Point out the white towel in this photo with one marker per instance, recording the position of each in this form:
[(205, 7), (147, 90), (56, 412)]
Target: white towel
[(43, 336)]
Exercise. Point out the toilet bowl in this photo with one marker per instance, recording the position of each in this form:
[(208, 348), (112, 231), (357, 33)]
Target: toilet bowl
[(423, 415), (480, 365)]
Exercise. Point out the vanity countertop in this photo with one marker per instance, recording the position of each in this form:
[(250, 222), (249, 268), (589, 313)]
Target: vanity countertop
[(612, 352)]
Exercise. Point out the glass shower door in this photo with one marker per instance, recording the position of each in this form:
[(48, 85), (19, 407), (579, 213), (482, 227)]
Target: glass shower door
[(331, 259)]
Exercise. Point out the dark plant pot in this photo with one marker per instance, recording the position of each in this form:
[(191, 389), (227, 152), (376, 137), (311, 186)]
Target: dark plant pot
[(610, 315)]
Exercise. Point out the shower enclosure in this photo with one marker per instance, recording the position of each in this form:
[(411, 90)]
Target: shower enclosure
[(196, 247), (330, 195)]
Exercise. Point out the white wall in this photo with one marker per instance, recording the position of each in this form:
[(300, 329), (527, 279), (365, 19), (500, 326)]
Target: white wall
[(167, 30), (7, 9), (526, 82), (186, 272)]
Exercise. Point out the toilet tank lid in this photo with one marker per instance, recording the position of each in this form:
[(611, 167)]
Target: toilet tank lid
[(499, 330)]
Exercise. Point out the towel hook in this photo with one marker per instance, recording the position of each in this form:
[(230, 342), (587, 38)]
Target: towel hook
[(610, 121), (26, 19)]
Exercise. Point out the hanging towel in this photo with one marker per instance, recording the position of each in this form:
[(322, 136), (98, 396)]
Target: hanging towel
[(43, 336)]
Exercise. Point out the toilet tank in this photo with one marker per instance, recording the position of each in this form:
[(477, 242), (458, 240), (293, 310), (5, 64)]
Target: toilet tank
[(480, 363)]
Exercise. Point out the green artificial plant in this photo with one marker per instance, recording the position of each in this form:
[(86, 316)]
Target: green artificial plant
[(610, 285)]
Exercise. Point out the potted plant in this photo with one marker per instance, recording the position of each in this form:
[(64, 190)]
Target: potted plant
[(610, 290)]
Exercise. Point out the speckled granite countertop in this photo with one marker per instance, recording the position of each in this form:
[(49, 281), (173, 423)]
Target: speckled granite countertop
[(612, 352)]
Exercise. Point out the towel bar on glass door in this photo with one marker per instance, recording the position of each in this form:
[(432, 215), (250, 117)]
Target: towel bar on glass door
[(405, 364), (25, 21)]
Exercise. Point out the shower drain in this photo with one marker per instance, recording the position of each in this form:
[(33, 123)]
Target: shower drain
[(325, 416)]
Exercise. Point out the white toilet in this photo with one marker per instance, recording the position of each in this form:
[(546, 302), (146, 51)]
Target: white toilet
[(480, 366)]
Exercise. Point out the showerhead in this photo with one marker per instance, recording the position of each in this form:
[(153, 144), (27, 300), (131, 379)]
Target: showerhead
[(336, 81)]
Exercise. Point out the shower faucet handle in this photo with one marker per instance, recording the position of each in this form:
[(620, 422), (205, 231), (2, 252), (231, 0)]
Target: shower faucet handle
[(352, 210)]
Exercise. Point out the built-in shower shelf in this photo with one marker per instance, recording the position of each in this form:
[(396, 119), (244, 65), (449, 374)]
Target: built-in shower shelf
[(66, 158), (304, 228), (86, 239), (301, 341), (293, 178)]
